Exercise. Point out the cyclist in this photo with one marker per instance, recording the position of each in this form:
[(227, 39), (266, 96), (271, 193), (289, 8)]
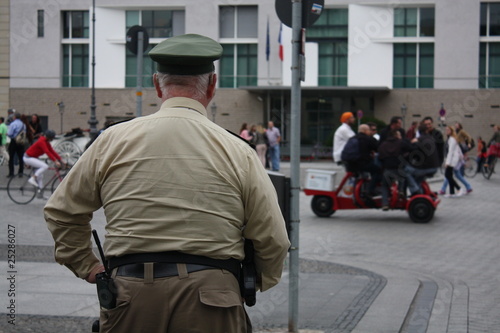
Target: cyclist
[(493, 146), (42, 146)]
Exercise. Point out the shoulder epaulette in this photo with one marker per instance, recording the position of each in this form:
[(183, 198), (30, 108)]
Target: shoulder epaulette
[(239, 137)]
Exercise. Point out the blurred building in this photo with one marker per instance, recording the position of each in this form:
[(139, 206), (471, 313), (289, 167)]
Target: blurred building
[(383, 57)]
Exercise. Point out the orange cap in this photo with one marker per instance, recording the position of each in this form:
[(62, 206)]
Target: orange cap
[(346, 116)]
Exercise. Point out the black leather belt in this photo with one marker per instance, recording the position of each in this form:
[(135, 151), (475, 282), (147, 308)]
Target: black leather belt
[(160, 270), (174, 257)]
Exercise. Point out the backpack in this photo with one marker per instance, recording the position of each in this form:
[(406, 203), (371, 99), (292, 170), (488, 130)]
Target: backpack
[(21, 138), (351, 152)]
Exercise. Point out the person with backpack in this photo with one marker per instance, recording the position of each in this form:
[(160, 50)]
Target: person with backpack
[(358, 155), (16, 128)]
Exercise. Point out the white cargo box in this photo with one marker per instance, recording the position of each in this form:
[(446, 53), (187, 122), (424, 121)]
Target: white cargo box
[(323, 180)]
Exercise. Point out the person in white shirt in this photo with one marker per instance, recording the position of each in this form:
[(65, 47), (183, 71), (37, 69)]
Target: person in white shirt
[(342, 134)]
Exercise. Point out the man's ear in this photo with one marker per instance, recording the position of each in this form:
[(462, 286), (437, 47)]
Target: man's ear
[(157, 86), (211, 86)]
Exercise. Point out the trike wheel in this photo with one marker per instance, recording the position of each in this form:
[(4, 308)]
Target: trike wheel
[(421, 210), (322, 205)]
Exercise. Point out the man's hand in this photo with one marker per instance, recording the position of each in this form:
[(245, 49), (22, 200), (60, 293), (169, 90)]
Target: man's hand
[(96, 270), (58, 164)]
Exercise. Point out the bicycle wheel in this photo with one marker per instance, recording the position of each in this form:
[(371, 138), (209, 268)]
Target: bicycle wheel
[(20, 191), (470, 167), (488, 170), (56, 182)]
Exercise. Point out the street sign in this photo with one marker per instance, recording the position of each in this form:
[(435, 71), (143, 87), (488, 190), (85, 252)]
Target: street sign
[(311, 10), (442, 112), (132, 38), (359, 114)]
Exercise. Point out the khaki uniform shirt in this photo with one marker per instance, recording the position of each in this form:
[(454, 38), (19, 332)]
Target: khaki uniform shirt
[(171, 181)]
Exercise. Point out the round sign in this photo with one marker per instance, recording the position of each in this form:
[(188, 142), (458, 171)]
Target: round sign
[(311, 10), (360, 114), (133, 36), (442, 112)]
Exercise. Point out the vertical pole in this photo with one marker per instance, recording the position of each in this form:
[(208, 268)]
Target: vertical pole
[(140, 56), (293, 312), (93, 120)]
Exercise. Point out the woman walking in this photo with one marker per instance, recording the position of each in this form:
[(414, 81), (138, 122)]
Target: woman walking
[(454, 160), (259, 140)]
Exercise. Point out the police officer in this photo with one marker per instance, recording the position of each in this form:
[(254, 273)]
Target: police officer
[(179, 193)]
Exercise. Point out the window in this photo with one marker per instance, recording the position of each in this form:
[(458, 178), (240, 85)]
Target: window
[(489, 65), (330, 32), (75, 65), (413, 65), (489, 51), (414, 22), (75, 49), (76, 24), (238, 65), (490, 19), (414, 61), (40, 23), (238, 34), (159, 24)]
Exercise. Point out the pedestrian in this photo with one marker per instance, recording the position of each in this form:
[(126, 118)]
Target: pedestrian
[(16, 149), (41, 147), (373, 130), (411, 133), (3, 140), (493, 146), (437, 137), (35, 127), (244, 133), (342, 134), (29, 134), (481, 153), (259, 140), (274, 137), (180, 193), (10, 116), (454, 159)]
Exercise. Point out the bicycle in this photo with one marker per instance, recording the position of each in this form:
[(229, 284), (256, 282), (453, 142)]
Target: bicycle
[(470, 167), (489, 169), (22, 192)]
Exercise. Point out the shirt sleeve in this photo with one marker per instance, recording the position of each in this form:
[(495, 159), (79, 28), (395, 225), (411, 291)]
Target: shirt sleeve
[(53, 155), (68, 214), (265, 225)]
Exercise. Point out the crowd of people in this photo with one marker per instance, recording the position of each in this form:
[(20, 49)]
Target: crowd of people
[(408, 157), (27, 143), (266, 142)]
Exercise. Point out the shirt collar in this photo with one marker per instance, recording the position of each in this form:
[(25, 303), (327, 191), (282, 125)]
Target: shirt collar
[(184, 103)]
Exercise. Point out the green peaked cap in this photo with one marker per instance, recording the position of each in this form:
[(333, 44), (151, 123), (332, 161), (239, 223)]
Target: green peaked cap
[(189, 54)]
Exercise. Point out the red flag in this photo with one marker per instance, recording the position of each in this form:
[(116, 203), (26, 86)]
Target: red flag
[(281, 44)]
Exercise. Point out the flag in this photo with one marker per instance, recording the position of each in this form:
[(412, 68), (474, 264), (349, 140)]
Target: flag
[(281, 44), (268, 43)]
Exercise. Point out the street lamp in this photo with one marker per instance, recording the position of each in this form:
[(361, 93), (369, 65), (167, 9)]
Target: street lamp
[(61, 112), (403, 113), (93, 120), (213, 108)]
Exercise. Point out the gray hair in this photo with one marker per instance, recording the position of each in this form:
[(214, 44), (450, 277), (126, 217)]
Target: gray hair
[(196, 85)]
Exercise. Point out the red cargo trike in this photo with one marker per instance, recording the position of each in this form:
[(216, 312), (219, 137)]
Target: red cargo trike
[(351, 194)]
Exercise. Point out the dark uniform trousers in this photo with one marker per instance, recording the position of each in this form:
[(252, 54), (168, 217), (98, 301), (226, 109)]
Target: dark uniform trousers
[(203, 301)]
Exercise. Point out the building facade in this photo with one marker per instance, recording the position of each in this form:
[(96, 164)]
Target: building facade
[(368, 55)]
